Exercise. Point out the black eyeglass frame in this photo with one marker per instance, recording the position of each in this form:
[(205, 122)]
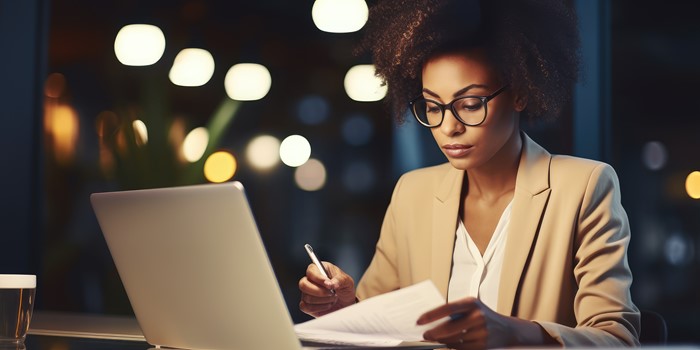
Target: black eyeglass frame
[(450, 105)]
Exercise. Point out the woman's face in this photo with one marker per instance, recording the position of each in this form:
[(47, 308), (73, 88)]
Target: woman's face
[(451, 75)]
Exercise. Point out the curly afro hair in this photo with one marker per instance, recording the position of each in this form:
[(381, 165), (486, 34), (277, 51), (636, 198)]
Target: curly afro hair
[(533, 44)]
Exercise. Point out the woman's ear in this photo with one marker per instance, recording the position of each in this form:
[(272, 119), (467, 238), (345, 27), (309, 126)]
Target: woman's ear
[(520, 102)]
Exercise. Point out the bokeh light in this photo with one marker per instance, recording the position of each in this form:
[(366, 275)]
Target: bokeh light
[(55, 85), (678, 249), (313, 109), (192, 67), (247, 82), (339, 16), (139, 44), (263, 152), (359, 177), (357, 129), (140, 132), (295, 150), (220, 166), (692, 185), (654, 155), (361, 84), (62, 126), (106, 127), (195, 144), (311, 176)]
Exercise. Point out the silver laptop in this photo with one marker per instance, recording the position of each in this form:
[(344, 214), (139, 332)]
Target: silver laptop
[(194, 267)]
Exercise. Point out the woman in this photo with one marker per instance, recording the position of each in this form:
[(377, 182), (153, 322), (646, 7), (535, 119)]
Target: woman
[(528, 248)]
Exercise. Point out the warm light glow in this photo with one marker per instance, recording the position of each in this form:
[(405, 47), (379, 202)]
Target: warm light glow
[(263, 152), (195, 144), (106, 127), (139, 44), (140, 132), (311, 176), (192, 67), (176, 136), (339, 16), (295, 150), (361, 84), (692, 185), (62, 126), (247, 82), (220, 167), (55, 85)]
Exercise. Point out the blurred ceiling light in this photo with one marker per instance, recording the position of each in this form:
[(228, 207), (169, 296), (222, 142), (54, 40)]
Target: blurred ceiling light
[(295, 150), (195, 144), (361, 84), (263, 152), (247, 82), (192, 67), (339, 16), (219, 167), (140, 132), (311, 176), (692, 185), (139, 45)]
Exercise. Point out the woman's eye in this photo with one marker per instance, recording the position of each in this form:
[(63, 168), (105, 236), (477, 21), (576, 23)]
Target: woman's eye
[(432, 109), (471, 104)]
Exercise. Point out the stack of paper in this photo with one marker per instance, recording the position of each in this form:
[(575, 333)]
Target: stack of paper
[(385, 320)]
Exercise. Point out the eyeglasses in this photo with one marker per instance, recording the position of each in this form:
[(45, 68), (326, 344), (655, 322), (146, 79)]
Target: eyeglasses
[(469, 110)]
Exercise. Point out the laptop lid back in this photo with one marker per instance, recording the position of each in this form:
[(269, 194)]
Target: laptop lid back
[(195, 268)]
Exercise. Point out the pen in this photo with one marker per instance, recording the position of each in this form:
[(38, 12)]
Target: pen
[(318, 264)]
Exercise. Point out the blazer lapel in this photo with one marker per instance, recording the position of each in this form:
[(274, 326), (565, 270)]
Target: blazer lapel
[(529, 201), (445, 213)]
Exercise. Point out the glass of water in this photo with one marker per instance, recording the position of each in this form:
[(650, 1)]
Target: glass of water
[(16, 306)]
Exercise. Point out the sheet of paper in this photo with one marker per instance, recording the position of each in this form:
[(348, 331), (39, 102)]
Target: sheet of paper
[(384, 320)]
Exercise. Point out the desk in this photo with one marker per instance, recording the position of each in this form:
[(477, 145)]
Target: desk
[(65, 331)]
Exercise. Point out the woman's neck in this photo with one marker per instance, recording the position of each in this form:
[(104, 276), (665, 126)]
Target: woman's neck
[(496, 178)]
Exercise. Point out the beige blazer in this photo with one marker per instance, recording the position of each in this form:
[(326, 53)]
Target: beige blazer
[(565, 264)]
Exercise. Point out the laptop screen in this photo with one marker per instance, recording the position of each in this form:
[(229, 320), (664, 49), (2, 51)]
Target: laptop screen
[(194, 267)]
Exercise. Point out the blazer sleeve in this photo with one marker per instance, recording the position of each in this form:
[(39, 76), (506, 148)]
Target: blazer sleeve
[(603, 306), (382, 274)]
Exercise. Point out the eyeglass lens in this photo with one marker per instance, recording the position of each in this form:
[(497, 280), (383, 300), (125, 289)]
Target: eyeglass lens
[(470, 110)]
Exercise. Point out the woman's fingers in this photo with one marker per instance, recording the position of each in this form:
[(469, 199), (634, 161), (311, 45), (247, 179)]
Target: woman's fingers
[(454, 310), (308, 287), (465, 328), (320, 295)]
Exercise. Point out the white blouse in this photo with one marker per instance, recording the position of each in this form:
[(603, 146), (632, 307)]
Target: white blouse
[(476, 275)]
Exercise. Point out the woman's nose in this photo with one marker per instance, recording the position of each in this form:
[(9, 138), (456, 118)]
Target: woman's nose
[(451, 125)]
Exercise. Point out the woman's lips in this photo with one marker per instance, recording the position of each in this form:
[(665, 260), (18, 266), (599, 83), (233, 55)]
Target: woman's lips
[(457, 150)]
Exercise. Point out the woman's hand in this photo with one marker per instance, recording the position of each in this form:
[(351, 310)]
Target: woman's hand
[(316, 296), (474, 326)]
